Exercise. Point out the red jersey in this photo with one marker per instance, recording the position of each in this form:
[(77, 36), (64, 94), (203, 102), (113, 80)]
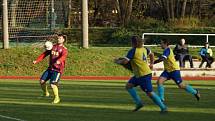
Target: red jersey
[(57, 53)]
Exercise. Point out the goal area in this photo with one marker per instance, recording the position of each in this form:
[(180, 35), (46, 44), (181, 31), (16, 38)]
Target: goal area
[(33, 20)]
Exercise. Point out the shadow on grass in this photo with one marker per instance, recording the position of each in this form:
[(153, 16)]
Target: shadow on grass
[(58, 112)]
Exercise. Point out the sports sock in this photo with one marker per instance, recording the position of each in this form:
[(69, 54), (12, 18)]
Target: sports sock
[(134, 95), (55, 91), (158, 101), (161, 91), (44, 88), (190, 89)]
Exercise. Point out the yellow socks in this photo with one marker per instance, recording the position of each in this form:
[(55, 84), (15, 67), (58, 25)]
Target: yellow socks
[(45, 90), (56, 95)]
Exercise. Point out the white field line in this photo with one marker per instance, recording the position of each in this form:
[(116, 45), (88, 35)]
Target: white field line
[(15, 119)]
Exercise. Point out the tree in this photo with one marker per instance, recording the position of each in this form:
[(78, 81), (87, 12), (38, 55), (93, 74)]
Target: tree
[(124, 8), (183, 9), (172, 11), (67, 9)]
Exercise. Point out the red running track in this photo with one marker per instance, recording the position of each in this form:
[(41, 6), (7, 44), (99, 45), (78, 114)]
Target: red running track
[(100, 78)]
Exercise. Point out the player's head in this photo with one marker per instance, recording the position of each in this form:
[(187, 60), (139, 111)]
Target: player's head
[(164, 43), (61, 39), (137, 41)]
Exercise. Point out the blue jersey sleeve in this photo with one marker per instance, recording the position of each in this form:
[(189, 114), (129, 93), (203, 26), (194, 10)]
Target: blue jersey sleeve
[(130, 54), (166, 53)]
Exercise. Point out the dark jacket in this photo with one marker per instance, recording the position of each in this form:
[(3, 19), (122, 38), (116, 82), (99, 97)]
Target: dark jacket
[(181, 49)]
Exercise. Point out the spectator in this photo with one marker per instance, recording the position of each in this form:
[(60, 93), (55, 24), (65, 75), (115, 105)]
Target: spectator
[(206, 53), (182, 53)]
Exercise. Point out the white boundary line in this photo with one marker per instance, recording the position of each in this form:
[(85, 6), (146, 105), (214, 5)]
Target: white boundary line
[(7, 117)]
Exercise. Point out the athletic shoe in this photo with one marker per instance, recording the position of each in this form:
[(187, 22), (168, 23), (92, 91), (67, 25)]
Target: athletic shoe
[(164, 111), (197, 95), (56, 100), (138, 107)]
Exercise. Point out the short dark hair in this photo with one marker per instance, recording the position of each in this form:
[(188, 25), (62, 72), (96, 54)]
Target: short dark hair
[(208, 44), (64, 37), (137, 41), (165, 41)]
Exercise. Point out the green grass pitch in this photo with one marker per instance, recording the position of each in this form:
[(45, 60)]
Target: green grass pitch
[(101, 101)]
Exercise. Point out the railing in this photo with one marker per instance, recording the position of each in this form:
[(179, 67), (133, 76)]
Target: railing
[(173, 34)]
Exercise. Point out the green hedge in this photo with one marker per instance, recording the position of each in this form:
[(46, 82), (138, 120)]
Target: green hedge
[(121, 36)]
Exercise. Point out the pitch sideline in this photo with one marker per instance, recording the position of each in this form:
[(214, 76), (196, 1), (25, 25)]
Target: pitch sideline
[(7, 117), (207, 78)]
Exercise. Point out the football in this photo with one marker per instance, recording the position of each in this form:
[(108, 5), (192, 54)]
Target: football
[(48, 45), (126, 66)]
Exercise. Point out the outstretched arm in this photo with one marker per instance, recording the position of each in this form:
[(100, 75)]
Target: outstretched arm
[(159, 60), (126, 59), (121, 61), (151, 57), (42, 56)]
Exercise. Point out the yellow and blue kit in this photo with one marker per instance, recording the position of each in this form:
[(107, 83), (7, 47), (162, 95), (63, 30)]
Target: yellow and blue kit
[(171, 68), (138, 59), (142, 76), (142, 72)]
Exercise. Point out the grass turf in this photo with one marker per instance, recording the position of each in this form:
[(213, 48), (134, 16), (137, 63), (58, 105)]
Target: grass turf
[(96, 61), (102, 101)]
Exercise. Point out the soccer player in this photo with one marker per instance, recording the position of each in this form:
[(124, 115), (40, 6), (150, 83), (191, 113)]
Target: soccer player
[(55, 69), (171, 71), (137, 57)]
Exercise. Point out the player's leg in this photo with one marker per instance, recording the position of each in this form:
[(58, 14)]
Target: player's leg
[(131, 90), (190, 90), (146, 86), (160, 87), (43, 79), (176, 76), (55, 78)]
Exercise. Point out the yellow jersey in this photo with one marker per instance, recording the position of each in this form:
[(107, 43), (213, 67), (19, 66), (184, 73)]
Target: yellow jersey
[(138, 60), (170, 63)]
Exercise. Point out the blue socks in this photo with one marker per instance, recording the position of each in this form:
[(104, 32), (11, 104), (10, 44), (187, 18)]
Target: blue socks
[(161, 91), (190, 89), (135, 97), (158, 101)]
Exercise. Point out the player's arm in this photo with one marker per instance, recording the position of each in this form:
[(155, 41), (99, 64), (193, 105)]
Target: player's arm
[(63, 57), (121, 61), (42, 56), (159, 60), (151, 58), (166, 53), (126, 59)]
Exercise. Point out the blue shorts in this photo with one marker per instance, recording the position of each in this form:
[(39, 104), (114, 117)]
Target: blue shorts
[(144, 82), (54, 76), (174, 75)]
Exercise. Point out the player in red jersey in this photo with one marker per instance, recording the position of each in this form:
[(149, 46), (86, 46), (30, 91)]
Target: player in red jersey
[(57, 57)]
